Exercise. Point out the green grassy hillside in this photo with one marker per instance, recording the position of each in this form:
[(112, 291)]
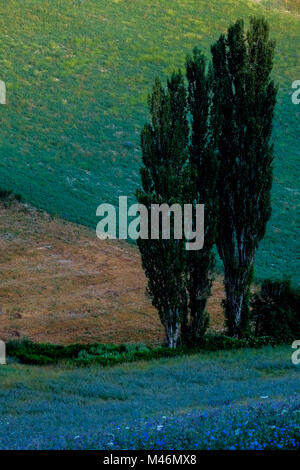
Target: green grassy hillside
[(77, 76)]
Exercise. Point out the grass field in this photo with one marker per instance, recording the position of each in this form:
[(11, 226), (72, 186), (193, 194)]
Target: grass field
[(77, 76), (243, 399)]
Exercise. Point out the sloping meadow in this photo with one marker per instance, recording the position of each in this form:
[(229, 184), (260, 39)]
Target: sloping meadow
[(77, 75)]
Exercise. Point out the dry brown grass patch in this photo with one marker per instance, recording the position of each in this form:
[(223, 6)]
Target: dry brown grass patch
[(60, 284)]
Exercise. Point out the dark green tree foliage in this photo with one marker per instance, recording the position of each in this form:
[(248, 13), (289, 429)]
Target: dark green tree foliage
[(165, 179), (244, 100), (276, 310), (203, 166)]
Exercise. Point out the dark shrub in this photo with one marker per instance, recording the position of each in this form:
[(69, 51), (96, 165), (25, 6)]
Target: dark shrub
[(276, 311), (35, 359), (7, 197)]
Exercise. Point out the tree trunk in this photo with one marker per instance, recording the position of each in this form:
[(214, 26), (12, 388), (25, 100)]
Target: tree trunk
[(237, 288), (234, 304), (172, 330)]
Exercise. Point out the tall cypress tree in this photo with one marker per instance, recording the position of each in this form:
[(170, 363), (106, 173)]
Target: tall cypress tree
[(244, 101), (203, 165), (165, 180)]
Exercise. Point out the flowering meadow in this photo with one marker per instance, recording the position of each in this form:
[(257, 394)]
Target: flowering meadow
[(245, 399)]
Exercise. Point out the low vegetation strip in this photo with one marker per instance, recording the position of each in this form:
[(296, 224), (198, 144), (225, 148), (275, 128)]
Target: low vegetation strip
[(27, 352)]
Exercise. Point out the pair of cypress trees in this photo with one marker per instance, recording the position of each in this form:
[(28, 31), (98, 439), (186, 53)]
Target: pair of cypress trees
[(209, 143)]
